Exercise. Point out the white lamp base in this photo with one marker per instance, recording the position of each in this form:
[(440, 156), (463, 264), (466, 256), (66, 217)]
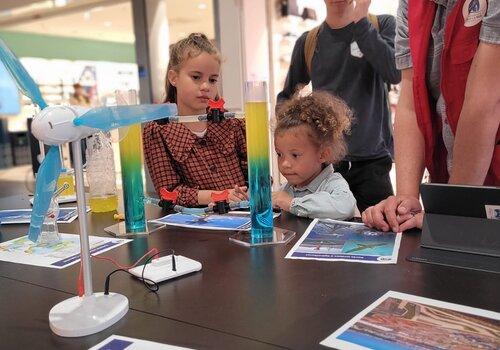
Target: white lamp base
[(80, 316)]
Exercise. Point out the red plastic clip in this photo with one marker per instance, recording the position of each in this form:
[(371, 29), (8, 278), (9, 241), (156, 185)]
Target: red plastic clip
[(169, 196), (216, 104), (222, 196)]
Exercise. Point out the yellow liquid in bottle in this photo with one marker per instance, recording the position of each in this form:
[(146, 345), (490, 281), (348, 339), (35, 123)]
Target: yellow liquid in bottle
[(65, 177), (103, 204)]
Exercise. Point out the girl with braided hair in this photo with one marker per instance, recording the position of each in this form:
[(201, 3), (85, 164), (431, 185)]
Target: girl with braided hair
[(308, 139)]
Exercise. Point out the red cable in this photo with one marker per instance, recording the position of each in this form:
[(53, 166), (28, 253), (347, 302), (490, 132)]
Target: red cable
[(80, 286)]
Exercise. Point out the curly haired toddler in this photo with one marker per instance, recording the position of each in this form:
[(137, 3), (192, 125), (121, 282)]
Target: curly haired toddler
[(309, 138)]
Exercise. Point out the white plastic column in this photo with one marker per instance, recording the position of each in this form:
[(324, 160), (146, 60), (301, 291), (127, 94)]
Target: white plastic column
[(82, 218), (228, 29), (158, 41)]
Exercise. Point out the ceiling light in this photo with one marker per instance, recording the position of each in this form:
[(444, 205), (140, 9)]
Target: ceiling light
[(202, 6), (86, 15), (108, 24), (60, 3)]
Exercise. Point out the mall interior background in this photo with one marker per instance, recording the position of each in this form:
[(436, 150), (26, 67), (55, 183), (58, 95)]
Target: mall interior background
[(120, 45)]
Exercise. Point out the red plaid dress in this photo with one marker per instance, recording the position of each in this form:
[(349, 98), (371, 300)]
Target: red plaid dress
[(179, 160)]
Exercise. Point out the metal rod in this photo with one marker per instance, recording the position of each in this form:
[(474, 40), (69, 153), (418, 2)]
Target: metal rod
[(202, 117), (41, 145), (82, 217), (60, 190)]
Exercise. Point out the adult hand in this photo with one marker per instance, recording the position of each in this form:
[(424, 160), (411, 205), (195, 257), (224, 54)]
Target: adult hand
[(396, 213), (282, 200), (360, 10), (411, 221)]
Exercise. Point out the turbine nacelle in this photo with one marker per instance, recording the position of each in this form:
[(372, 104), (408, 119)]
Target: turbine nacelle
[(54, 125)]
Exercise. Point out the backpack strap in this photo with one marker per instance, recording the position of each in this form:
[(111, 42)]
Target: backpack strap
[(374, 21), (310, 46)]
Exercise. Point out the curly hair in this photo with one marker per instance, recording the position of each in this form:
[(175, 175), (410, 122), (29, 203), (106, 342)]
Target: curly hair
[(328, 118), (192, 46)]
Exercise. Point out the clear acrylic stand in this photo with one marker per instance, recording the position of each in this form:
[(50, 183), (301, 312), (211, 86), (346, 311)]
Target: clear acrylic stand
[(280, 236)]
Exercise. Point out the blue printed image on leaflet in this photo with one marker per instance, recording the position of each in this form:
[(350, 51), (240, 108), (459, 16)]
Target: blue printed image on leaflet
[(332, 240), (207, 222)]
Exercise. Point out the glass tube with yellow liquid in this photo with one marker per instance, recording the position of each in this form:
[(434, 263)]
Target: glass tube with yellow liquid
[(133, 190), (259, 177)]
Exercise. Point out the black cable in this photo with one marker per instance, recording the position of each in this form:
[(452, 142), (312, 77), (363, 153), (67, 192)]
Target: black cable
[(151, 258), (153, 286)]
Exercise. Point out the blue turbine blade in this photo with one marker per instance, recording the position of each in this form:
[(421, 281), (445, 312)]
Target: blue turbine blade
[(46, 180), (108, 118), (23, 80)]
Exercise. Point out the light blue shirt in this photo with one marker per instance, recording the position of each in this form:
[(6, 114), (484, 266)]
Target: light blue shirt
[(326, 196)]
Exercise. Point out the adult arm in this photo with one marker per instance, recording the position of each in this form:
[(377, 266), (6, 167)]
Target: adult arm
[(401, 212), (378, 46), (408, 141), (480, 118)]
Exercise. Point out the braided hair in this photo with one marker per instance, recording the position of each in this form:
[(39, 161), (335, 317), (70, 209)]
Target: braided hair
[(327, 117), (192, 46)]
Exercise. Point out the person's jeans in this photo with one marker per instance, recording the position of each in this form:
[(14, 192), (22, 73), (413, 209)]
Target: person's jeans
[(368, 179)]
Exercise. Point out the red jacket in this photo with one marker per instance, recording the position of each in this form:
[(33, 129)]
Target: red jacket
[(460, 45)]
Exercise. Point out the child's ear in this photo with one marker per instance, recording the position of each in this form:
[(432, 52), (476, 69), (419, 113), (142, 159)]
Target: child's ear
[(172, 77), (325, 154)]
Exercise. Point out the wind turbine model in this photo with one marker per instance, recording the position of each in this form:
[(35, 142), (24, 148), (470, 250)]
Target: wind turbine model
[(55, 125)]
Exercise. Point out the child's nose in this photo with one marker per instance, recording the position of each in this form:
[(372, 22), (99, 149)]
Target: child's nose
[(205, 86)]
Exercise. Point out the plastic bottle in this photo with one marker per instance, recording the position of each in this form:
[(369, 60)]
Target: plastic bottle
[(49, 233), (67, 176), (101, 174)]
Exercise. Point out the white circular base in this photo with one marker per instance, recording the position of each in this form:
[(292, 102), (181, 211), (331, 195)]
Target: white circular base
[(80, 316)]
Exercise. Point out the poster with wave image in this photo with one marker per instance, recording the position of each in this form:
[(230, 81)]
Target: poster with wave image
[(333, 240), (399, 321)]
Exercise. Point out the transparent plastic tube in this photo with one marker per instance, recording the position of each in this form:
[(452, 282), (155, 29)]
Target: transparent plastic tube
[(259, 177)]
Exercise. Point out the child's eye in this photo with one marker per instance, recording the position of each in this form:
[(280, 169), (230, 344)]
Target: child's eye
[(295, 155), (196, 77), (213, 81), (278, 154)]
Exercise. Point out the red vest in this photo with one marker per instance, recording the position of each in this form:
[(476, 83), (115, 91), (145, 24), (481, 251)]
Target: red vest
[(460, 45)]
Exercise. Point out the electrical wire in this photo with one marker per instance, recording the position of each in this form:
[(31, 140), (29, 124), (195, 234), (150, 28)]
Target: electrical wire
[(152, 286), (80, 284), (148, 283)]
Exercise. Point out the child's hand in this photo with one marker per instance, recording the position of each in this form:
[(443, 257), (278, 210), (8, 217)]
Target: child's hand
[(238, 194), (282, 200)]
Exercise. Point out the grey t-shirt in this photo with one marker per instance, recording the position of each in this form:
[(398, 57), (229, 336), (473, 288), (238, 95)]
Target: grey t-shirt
[(490, 33)]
